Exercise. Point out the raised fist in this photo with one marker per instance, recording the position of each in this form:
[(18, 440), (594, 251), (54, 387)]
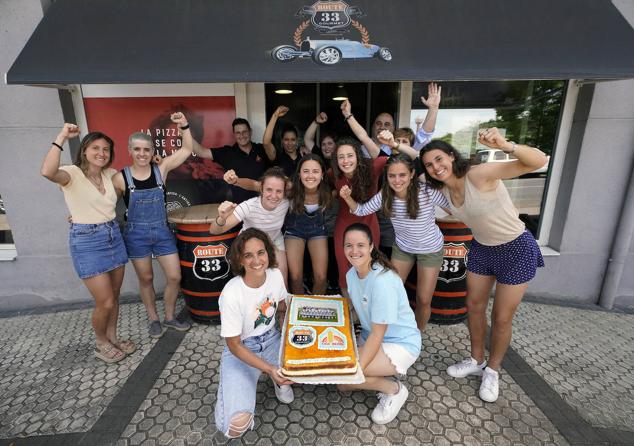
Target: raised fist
[(492, 138), (226, 209), (281, 111), (345, 192), (346, 108), (179, 119), (321, 118), (386, 137), (69, 131), (230, 176)]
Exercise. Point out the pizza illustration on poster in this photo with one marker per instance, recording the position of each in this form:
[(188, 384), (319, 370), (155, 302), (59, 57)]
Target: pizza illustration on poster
[(196, 181)]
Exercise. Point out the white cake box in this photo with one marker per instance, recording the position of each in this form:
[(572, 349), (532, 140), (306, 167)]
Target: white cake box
[(354, 378)]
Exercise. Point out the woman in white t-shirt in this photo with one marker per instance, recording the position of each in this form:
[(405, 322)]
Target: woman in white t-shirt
[(248, 305), (96, 246), (265, 212)]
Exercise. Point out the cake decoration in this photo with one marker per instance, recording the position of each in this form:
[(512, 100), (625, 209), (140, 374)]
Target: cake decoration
[(332, 339), (301, 336)]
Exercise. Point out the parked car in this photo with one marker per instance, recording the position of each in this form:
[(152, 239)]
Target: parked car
[(329, 52), (500, 156)]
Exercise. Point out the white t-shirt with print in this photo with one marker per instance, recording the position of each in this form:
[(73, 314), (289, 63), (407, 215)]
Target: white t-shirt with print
[(247, 311)]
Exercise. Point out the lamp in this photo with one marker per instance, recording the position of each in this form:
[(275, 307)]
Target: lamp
[(340, 93), (283, 89)]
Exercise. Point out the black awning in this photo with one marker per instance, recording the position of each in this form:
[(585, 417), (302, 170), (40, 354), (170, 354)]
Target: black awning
[(150, 41)]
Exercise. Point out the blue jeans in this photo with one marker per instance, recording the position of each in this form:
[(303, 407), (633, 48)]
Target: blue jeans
[(96, 248), (239, 381), (305, 226)]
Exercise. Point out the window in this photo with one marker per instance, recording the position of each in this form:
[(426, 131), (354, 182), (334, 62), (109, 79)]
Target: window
[(7, 248), (526, 112)]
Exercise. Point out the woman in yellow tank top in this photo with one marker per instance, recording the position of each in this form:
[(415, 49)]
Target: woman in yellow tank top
[(503, 252)]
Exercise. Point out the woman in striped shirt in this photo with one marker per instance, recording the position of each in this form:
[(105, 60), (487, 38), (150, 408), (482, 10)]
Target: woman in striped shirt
[(410, 206)]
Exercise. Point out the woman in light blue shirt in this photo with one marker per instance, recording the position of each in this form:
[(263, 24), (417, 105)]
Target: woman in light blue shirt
[(390, 341)]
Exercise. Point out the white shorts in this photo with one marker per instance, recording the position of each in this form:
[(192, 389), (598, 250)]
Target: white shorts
[(398, 355), (400, 358), (278, 242)]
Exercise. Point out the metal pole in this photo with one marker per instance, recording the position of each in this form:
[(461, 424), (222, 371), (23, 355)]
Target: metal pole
[(620, 248)]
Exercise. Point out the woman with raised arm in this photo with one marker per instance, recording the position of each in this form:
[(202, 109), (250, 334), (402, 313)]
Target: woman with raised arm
[(266, 211), (146, 232), (249, 304), (410, 207), (503, 252), (305, 224), (96, 245), (327, 139), (390, 342), (288, 157)]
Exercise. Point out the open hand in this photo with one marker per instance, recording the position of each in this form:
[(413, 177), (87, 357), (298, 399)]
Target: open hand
[(433, 96)]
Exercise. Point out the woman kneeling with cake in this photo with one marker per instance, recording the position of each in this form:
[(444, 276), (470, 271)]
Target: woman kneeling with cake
[(390, 340), (248, 305)]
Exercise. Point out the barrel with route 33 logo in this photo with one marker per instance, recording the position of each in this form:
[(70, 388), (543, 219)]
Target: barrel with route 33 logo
[(448, 304), (204, 260)]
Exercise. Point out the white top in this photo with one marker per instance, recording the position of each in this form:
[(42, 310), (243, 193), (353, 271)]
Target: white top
[(418, 236), (86, 204), (310, 208), (246, 311), (491, 215), (253, 215)]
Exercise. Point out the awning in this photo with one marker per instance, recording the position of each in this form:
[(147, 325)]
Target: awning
[(192, 41)]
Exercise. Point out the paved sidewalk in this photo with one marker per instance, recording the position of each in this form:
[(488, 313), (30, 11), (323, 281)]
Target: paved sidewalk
[(567, 380)]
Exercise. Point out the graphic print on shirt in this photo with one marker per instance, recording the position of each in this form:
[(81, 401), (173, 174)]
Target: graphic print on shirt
[(265, 311)]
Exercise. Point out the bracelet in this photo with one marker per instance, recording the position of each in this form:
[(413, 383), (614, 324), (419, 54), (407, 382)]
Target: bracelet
[(185, 127), (348, 117), (219, 223), (512, 148), (58, 146)]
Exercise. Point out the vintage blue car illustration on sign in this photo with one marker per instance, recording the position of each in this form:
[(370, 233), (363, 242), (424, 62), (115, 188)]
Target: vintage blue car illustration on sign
[(330, 52), (332, 19)]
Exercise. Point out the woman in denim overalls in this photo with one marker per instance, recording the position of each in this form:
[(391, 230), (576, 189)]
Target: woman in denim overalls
[(146, 232)]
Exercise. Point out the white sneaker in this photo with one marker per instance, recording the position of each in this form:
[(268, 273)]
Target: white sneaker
[(389, 405), (465, 368), (490, 387), (284, 394)]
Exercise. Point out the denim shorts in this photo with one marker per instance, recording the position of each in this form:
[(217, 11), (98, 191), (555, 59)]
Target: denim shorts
[(239, 381), (143, 240), (305, 226), (511, 263), (96, 248)]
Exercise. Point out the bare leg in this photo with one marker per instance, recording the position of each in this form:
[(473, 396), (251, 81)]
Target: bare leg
[(282, 265), (478, 290), (143, 268), (507, 299), (295, 258), (116, 279), (318, 249), (100, 288), (375, 374), (425, 286), (172, 269)]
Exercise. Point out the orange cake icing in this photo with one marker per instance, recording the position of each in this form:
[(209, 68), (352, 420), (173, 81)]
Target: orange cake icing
[(318, 337)]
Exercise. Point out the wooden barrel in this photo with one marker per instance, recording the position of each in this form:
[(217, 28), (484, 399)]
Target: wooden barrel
[(448, 305), (203, 257)]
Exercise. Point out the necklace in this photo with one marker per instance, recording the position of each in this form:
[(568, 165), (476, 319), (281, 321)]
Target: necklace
[(97, 184)]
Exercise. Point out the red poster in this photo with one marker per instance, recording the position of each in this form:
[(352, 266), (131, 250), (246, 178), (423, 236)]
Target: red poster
[(197, 181)]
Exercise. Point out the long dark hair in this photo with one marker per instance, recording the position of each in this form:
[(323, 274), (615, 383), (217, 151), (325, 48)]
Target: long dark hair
[(237, 248), (412, 190), (376, 256), (80, 158), (298, 191), (460, 166), (361, 181)]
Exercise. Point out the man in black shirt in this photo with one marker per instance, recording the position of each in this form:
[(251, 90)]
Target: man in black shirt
[(249, 160)]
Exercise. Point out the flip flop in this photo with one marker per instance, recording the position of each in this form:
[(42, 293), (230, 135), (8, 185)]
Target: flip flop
[(109, 353), (126, 346)]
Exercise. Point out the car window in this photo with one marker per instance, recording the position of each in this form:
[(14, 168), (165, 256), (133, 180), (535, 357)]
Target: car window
[(481, 157), (500, 156)]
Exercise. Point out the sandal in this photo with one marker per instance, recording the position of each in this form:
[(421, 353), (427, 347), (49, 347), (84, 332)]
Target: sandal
[(126, 346), (108, 353)]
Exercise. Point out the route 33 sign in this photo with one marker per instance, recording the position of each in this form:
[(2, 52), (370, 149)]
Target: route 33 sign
[(210, 262)]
